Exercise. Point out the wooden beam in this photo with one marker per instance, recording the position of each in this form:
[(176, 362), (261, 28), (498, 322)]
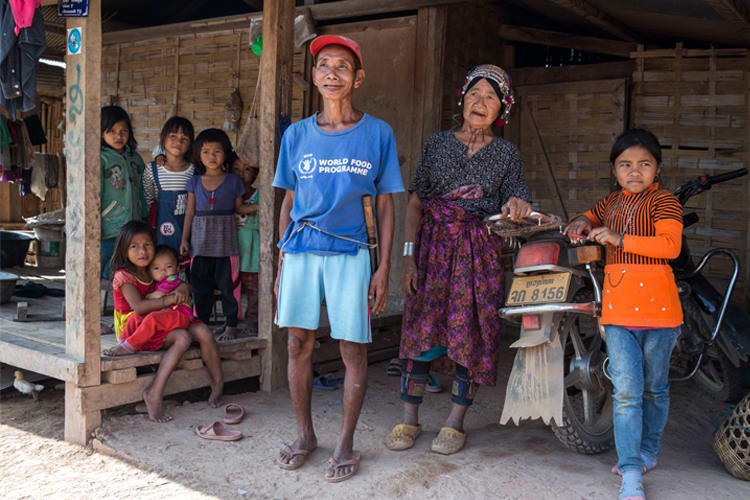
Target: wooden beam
[(39, 357), (276, 63), (320, 12), (537, 76), (100, 397), (735, 12), (227, 350), (431, 25), (83, 222), (566, 40), (595, 16)]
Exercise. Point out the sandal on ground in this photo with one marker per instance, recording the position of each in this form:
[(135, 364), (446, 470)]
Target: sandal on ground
[(432, 384), (632, 487), (334, 465), (233, 414), (448, 441), (218, 432), (402, 437), (325, 384), (394, 368), (292, 454)]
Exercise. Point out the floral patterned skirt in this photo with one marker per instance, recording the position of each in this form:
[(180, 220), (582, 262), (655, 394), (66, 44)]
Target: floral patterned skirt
[(460, 289)]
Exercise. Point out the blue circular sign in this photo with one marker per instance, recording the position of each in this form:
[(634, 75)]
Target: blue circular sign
[(74, 40)]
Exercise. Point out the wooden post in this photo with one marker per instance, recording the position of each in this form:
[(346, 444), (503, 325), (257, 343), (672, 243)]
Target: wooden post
[(83, 222), (275, 100)]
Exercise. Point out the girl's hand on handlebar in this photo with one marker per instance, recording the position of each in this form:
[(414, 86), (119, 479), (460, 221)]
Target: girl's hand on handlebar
[(604, 236), (578, 229)]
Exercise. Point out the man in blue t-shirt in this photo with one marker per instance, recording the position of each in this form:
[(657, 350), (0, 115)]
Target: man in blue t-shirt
[(327, 163)]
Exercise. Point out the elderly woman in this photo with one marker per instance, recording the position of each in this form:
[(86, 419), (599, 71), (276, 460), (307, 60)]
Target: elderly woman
[(453, 274)]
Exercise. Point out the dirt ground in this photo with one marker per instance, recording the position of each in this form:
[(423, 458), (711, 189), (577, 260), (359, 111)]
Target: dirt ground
[(168, 460)]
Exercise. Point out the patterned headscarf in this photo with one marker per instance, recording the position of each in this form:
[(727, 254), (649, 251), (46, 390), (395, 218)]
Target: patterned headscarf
[(500, 79)]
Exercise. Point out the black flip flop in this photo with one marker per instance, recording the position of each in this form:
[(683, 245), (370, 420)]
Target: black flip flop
[(394, 368)]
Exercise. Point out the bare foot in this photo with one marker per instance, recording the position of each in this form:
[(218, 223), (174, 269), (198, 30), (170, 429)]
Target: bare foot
[(214, 399), (307, 444), (155, 409), (229, 333), (117, 350), (106, 329)]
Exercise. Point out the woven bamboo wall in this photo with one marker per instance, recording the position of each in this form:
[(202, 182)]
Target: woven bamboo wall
[(577, 122), (697, 103), (191, 75)]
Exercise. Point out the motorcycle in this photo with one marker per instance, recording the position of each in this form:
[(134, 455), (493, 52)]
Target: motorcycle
[(715, 341), (559, 372)]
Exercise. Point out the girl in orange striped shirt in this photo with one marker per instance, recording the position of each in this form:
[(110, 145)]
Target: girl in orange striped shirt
[(641, 226)]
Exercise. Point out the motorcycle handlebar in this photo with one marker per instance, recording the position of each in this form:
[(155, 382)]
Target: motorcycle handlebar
[(704, 182), (715, 179)]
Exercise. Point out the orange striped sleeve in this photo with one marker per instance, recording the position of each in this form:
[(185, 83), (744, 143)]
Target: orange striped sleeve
[(597, 212), (665, 206), (665, 244)]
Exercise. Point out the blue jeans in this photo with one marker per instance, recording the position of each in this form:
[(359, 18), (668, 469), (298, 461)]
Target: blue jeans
[(105, 253), (639, 365)]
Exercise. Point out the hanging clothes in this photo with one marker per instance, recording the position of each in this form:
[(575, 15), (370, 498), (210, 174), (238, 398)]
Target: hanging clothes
[(27, 149), (38, 178), (5, 143), (19, 59), (35, 129), (23, 12)]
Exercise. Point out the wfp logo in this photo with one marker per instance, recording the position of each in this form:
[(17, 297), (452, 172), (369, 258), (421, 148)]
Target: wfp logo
[(307, 165)]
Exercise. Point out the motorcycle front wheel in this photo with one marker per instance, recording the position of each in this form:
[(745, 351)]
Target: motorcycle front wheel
[(587, 405)]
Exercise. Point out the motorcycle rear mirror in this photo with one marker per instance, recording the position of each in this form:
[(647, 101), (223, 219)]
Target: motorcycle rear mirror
[(585, 254)]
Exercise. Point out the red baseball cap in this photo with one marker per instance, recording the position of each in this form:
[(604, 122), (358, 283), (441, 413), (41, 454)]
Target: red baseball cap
[(324, 40)]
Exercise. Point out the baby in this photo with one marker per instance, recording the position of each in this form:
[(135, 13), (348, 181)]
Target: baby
[(163, 270), (147, 333)]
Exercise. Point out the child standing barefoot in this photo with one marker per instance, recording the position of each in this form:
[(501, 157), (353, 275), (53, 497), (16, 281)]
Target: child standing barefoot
[(210, 233), (134, 252), (248, 236), (641, 226)]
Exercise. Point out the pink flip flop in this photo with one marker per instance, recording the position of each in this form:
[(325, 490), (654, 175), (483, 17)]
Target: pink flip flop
[(233, 414), (218, 432)]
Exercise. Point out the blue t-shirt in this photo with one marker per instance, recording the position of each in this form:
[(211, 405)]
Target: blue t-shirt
[(229, 190), (329, 173)]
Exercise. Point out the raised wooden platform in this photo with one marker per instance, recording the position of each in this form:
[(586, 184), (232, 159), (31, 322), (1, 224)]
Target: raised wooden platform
[(39, 346)]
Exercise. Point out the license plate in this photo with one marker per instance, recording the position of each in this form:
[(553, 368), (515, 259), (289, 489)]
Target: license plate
[(540, 289)]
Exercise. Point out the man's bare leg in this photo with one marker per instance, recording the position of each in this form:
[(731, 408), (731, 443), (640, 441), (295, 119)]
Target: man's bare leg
[(354, 356), (301, 343)]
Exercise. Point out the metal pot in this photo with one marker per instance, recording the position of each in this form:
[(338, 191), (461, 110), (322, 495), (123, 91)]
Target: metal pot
[(7, 285), (13, 248)]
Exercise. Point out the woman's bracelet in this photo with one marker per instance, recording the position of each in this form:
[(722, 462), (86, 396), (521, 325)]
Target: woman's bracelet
[(408, 249)]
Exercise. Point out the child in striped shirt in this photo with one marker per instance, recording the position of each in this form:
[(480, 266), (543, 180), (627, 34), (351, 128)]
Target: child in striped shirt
[(641, 227), (164, 184)]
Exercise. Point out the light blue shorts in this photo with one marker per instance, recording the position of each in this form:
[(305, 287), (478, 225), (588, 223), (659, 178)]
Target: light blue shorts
[(342, 280)]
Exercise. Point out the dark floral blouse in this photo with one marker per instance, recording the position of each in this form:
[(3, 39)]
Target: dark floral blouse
[(496, 167)]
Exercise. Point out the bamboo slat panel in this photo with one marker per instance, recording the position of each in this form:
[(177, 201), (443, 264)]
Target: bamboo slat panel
[(578, 123), (191, 75), (697, 104)]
